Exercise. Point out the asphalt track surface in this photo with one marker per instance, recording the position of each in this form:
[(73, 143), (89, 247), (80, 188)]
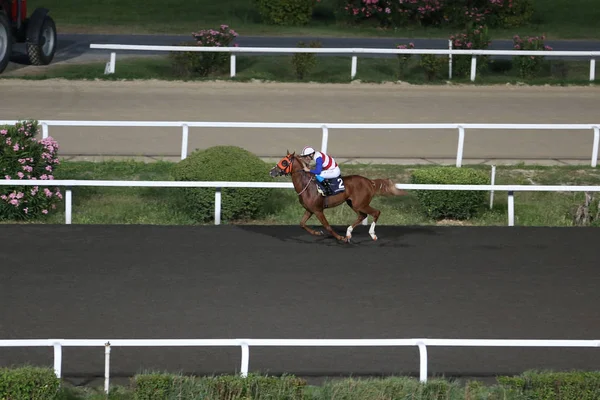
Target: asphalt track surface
[(307, 102), (144, 282)]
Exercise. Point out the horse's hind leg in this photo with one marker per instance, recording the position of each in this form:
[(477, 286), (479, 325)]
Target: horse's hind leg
[(361, 217), (306, 217), (375, 214)]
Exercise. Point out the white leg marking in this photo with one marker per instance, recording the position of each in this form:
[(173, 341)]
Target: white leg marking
[(372, 231), (349, 232)]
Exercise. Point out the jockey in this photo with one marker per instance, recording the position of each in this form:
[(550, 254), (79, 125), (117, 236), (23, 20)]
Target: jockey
[(326, 167)]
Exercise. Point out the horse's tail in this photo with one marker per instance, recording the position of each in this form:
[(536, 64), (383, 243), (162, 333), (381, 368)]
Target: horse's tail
[(385, 187)]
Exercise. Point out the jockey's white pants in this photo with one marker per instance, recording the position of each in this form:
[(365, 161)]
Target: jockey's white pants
[(330, 173)]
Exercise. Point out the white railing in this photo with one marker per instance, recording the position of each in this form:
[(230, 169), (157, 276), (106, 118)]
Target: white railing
[(245, 344), (110, 66), (324, 127), (219, 185)]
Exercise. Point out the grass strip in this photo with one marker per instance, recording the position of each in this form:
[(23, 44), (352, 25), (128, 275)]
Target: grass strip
[(328, 69), (160, 206)]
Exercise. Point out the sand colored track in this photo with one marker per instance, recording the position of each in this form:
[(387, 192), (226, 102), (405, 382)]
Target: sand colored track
[(279, 102)]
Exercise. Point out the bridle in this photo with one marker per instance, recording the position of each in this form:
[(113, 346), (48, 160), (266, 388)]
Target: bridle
[(286, 167)]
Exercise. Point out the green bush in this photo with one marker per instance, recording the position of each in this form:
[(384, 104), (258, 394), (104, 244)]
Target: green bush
[(193, 63), (223, 163), (575, 385), (168, 386), (28, 383), (286, 12), (304, 62), (454, 204)]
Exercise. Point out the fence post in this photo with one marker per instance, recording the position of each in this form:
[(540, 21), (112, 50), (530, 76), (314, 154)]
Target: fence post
[(184, 141), (57, 359), (44, 130), (450, 60), (324, 138), (218, 206), (595, 146), (592, 69), (493, 181), (473, 67), (511, 209), (245, 359), (423, 361), (354, 65), (106, 367), (109, 68), (68, 206), (461, 144), (232, 66)]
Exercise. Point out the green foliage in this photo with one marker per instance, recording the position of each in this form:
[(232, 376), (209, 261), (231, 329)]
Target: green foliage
[(454, 204), (529, 66), (432, 65), (518, 15), (473, 37), (286, 12), (28, 383), (223, 163), (192, 63), (22, 156), (575, 385), (304, 62), (168, 386)]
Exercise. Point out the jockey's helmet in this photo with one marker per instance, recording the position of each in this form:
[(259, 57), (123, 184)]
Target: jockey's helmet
[(307, 151)]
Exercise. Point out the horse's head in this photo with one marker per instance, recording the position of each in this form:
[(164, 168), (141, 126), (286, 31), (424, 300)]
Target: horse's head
[(284, 166)]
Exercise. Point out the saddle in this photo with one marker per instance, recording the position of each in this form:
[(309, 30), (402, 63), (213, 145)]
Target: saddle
[(331, 186)]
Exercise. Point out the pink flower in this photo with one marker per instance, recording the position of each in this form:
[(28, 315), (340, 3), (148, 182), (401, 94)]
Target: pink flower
[(44, 211)]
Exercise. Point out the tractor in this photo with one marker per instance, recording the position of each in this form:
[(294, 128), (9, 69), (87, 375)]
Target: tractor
[(38, 32)]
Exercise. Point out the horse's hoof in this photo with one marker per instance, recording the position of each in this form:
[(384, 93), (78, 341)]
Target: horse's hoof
[(375, 237)]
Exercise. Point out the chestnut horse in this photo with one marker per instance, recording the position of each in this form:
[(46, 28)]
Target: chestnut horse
[(358, 193)]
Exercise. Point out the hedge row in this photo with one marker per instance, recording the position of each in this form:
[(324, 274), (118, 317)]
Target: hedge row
[(34, 383), (219, 163)]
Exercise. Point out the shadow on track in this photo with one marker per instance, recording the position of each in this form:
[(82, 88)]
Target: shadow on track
[(388, 236)]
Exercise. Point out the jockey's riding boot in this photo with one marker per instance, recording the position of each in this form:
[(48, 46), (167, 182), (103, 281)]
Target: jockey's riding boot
[(327, 187)]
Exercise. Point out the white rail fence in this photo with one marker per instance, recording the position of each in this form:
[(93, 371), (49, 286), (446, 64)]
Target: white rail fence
[(110, 66), (325, 127), (244, 344), (219, 185)]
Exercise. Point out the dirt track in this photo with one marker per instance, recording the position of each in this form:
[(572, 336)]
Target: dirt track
[(278, 102)]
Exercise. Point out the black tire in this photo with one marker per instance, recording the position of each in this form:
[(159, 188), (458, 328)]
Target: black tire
[(43, 53), (6, 42)]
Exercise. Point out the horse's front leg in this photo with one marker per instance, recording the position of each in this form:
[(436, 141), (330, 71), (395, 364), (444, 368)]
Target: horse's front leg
[(305, 217), (325, 223)]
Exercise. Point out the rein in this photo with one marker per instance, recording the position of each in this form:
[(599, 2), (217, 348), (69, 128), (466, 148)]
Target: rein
[(307, 184)]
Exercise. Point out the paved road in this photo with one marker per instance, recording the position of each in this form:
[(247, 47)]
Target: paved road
[(108, 282), (277, 102)]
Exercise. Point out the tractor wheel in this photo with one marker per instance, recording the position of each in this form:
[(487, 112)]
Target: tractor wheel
[(43, 53), (5, 42)]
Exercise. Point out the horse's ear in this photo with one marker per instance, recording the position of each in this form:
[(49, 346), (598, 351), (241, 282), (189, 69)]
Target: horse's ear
[(287, 152)]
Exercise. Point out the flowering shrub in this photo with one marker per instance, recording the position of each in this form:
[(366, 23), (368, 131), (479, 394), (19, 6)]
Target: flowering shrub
[(190, 63), (474, 37), (25, 157), (529, 66), (399, 13), (403, 59), (286, 12)]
